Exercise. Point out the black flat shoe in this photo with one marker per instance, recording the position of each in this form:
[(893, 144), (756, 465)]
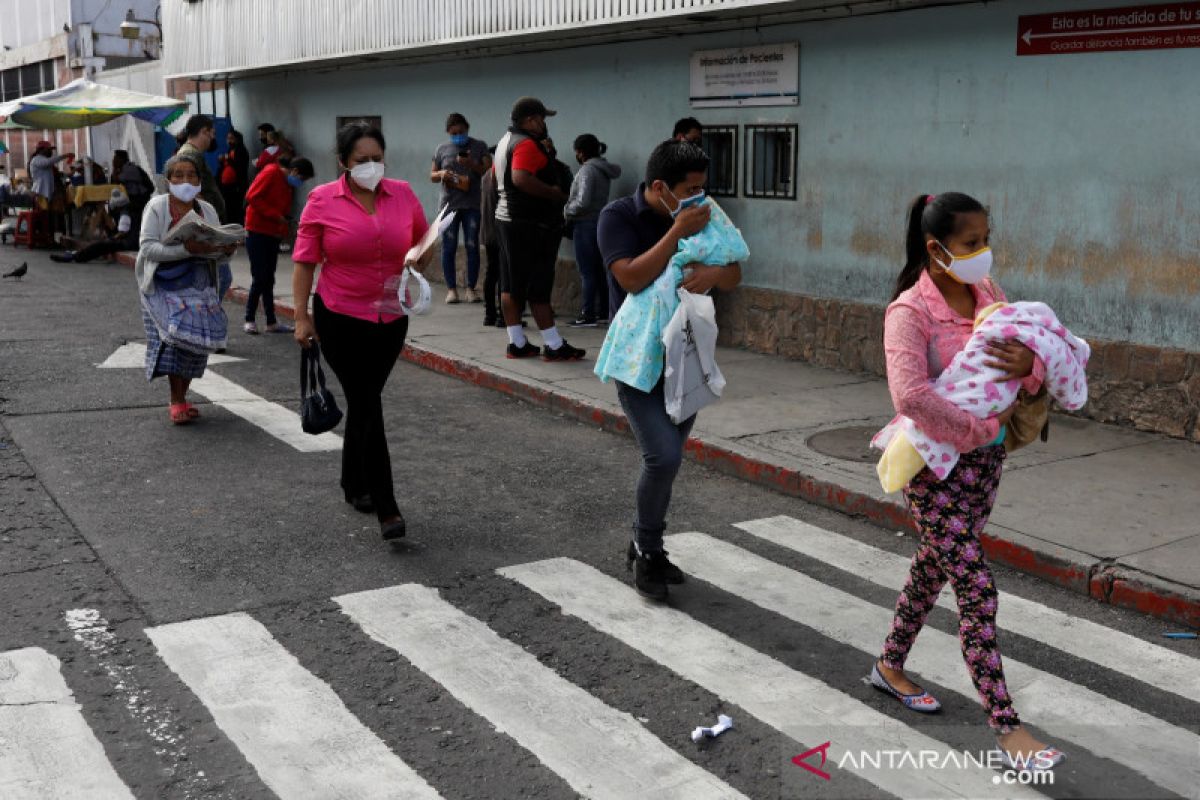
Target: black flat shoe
[(394, 529)]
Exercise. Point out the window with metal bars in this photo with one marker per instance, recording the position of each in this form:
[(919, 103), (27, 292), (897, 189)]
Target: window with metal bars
[(720, 142), (771, 152)]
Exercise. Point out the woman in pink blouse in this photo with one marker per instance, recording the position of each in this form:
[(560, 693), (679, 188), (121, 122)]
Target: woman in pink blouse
[(944, 283), (358, 229)]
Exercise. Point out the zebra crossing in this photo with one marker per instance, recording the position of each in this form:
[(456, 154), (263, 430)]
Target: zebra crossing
[(303, 741)]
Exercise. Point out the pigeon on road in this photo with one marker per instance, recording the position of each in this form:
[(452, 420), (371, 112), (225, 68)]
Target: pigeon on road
[(19, 272)]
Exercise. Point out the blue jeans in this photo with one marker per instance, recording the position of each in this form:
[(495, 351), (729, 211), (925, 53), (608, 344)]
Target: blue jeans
[(224, 279), (469, 219), (662, 444), (591, 269)]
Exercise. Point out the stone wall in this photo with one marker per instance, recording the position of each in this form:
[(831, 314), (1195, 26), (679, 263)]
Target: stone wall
[(1149, 388)]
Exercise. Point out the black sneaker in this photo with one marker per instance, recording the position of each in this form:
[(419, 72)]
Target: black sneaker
[(527, 350), (499, 323), (489, 322), (649, 577), (671, 573), (564, 352), (583, 321)]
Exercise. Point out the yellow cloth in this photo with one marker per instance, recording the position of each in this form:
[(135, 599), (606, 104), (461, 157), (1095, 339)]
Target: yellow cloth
[(96, 193), (901, 462)]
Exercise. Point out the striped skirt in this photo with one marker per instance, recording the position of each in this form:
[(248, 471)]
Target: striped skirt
[(167, 359)]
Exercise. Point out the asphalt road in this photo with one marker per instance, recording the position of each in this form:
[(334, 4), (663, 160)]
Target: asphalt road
[(115, 521)]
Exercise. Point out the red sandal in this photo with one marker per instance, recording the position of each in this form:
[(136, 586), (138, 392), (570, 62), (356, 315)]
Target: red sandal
[(179, 413), (192, 411)]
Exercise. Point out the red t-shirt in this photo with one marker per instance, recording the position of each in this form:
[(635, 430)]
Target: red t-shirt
[(529, 157)]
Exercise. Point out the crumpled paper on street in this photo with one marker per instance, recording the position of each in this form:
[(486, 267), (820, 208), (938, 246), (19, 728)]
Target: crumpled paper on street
[(724, 723)]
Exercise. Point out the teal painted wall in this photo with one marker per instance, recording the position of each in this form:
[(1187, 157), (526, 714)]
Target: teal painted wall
[(1088, 162)]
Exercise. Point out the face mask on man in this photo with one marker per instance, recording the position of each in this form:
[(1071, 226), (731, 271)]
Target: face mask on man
[(682, 205), (368, 174), (973, 268), (184, 192), (295, 181), (460, 140)]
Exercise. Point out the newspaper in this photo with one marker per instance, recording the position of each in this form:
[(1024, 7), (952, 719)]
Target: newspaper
[(194, 228)]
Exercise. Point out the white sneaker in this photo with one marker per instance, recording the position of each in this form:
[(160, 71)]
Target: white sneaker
[(250, 327), (452, 297), (473, 296)]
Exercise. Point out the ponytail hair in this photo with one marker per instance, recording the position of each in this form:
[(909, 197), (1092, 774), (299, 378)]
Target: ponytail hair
[(590, 146), (935, 216)]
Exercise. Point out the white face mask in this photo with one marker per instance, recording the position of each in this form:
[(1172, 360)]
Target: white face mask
[(184, 192), (368, 174), (971, 268), (273, 149)]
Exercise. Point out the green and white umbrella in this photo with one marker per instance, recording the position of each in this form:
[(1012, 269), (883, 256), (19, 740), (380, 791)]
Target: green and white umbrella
[(82, 103)]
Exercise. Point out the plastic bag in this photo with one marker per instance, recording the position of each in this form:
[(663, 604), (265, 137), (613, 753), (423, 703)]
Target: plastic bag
[(398, 297), (691, 378)]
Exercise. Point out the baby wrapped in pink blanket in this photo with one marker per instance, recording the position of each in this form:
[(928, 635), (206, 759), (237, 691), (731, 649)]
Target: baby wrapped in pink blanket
[(973, 386)]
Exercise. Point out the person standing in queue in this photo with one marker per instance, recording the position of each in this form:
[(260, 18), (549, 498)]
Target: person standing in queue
[(529, 222), (358, 229)]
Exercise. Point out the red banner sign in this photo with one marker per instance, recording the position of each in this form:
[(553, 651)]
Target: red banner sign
[(1156, 27)]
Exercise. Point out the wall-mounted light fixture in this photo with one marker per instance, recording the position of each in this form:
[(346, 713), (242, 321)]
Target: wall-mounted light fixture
[(129, 28)]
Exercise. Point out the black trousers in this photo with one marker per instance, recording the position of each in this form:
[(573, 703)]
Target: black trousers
[(263, 252), (105, 247), (491, 281), (361, 355)]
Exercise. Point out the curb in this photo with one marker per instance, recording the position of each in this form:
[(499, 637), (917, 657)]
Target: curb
[(1103, 581)]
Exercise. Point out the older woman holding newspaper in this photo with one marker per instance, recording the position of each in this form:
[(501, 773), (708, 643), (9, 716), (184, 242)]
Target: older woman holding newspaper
[(176, 272), (359, 229)]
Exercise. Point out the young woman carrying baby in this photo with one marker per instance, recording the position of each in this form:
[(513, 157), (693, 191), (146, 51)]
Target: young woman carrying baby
[(942, 286)]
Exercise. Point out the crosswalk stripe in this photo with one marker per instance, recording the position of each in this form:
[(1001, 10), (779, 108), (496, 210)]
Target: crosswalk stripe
[(280, 422), (1147, 662), (599, 751), (46, 746), (287, 722), (1087, 718), (797, 705)]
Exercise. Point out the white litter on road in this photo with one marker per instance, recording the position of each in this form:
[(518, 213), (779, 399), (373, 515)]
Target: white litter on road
[(724, 723)]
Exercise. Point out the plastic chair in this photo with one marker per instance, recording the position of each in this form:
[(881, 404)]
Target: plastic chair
[(33, 229)]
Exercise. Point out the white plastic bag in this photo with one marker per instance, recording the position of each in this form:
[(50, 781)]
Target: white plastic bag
[(399, 299), (691, 379)]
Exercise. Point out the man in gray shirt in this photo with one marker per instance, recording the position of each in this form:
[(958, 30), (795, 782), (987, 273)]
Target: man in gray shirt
[(458, 165)]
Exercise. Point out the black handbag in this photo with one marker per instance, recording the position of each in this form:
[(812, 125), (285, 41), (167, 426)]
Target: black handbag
[(319, 412)]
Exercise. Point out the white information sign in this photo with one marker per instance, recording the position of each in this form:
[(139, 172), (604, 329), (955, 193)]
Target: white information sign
[(764, 75)]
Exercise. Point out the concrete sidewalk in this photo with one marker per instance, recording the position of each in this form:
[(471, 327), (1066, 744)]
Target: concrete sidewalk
[(1107, 511)]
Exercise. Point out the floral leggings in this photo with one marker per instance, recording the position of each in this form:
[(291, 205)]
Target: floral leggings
[(951, 515)]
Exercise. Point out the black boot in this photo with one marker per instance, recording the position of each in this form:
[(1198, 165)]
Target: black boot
[(652, 572)]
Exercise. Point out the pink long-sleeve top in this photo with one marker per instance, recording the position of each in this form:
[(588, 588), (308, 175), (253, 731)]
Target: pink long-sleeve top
[(921, 336), (357, 251)]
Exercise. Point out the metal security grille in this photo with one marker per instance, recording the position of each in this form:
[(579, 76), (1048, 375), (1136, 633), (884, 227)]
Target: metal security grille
[(721, 144), (771, 152)]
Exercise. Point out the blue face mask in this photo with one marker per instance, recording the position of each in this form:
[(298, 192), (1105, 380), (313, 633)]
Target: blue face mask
[(295, 181), (688, 202), (459, 140)]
